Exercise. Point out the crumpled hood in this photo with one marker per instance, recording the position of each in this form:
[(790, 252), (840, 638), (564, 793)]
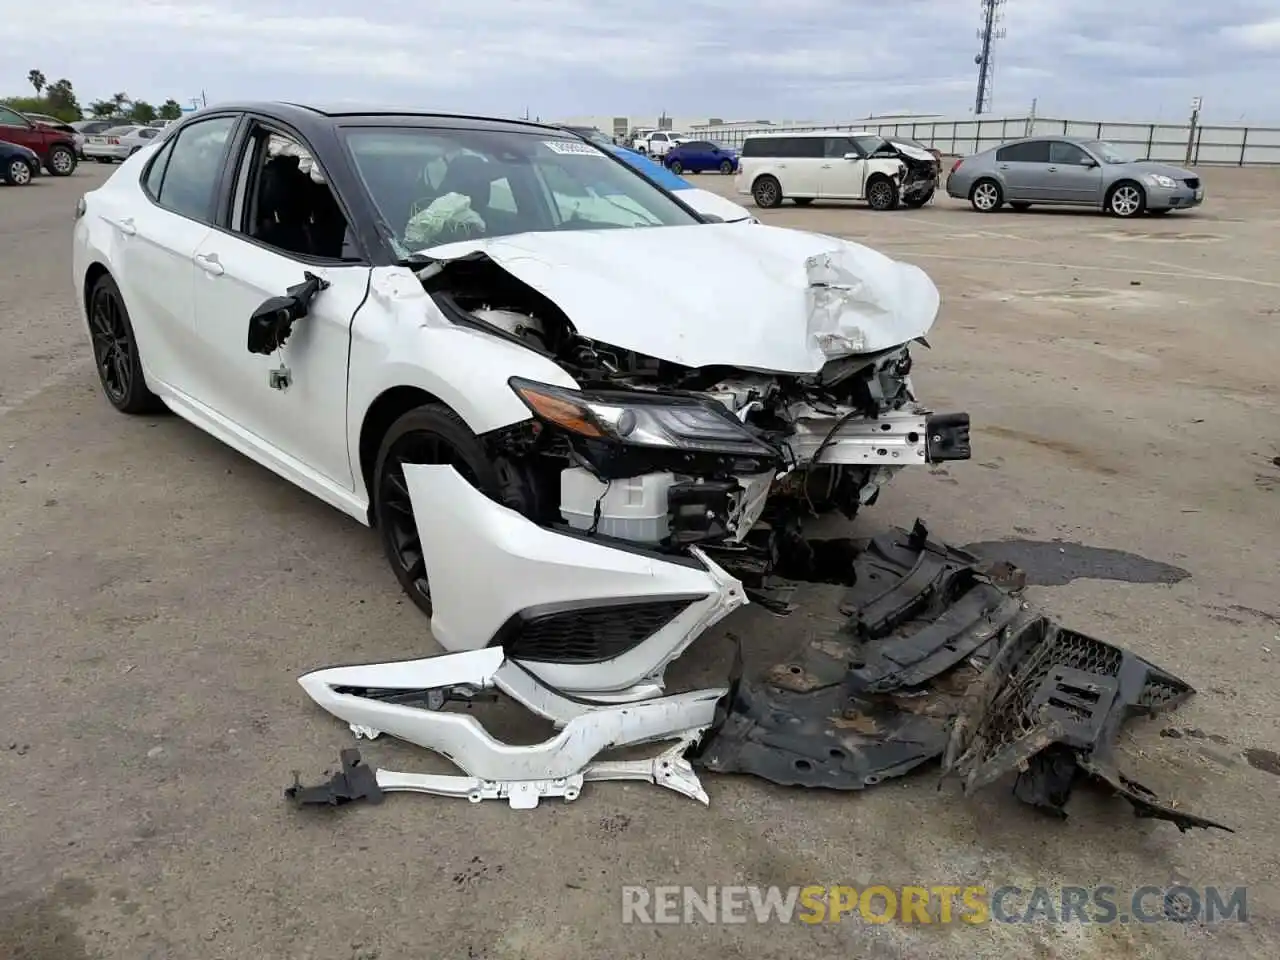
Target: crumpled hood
[(743, 295)]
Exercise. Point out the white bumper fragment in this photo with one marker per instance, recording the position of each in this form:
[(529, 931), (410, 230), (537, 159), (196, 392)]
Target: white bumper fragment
[(492, 572)]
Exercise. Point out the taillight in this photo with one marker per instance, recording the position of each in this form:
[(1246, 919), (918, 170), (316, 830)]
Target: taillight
[(956, 166), (114, 141)]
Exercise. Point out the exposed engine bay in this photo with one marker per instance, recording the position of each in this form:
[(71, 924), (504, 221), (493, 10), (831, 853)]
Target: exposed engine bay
[(669, 456)]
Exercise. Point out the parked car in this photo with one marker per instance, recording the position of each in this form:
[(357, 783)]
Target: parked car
[(660, 141), (118, 143), (835, 165), (587, 410), (56, 149), (18, 165), (638, 137), (89, 127), (705, 202), (1075, 171), (60, 125), (699, 156)]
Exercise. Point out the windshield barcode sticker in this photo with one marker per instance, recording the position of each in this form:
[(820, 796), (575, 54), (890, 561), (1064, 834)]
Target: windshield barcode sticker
[(571, 147)]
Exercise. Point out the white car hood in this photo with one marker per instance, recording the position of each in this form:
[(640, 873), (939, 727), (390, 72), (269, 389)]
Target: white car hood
[(706, 202), (914, 152), (743, 295)]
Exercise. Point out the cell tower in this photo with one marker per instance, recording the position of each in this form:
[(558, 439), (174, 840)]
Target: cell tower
[(988, 33)]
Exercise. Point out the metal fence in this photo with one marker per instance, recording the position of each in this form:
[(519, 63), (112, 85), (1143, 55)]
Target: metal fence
[(1169, 142)]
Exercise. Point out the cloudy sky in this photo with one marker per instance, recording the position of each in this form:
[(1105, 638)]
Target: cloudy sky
[(736, 59)]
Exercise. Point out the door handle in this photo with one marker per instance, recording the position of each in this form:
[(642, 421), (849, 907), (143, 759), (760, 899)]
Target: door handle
[(209, 264), (1004, 166), (826, 166), (126, 226), (1053, 169)]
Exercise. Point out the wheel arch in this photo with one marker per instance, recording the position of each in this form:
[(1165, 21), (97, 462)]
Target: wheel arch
[(96, 271), (1117, 184), (385, 410)]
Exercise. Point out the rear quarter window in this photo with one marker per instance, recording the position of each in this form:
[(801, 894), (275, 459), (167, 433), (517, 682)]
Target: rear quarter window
[(783, 147)]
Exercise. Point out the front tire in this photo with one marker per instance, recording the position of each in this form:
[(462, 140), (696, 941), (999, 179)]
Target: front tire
[(1126, 199), (986, 196), (881, 194), (428, 434), (767, 192), (726, 167), (18, 172), (676, 167), (115, 351), (62, 161)]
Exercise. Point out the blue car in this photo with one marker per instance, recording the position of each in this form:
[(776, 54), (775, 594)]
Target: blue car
[(700, 156), (18, 164), (710, 205)]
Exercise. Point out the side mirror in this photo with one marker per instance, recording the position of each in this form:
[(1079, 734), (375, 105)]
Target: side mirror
[(1090, 162), (852, 156), (271, 324)]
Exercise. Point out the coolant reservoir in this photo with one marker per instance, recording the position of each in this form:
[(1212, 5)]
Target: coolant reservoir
[(632, 509)]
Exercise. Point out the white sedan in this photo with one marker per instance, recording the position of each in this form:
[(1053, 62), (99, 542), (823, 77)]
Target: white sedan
[(564, 398), (119, 143)]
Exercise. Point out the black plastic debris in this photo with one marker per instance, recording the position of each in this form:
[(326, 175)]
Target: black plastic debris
[(940, 657), (355, 781)]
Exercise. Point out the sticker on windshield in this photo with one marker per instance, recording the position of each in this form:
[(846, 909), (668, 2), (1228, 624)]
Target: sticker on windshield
[(566, 147)]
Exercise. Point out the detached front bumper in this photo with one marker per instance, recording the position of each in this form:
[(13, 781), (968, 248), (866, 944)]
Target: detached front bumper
[(583, 613)]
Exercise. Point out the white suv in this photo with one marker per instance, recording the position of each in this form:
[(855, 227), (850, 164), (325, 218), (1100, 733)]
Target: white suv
[(660, 142), (835, 165)]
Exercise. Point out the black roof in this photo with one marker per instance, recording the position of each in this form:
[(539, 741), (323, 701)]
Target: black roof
[(308, 114)]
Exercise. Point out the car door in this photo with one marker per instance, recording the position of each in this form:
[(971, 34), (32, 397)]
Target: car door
[(1024, 167), (841, 178), (157, 237), (283, 222), (16, 128), (1074, 176), (799, 164)]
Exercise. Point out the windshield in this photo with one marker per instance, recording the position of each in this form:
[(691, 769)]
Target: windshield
[(1107, 152), (869, 144), (434, 186)]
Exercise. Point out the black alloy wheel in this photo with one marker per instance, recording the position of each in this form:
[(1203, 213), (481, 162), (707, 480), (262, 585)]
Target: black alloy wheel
[(115, 351), (431, 434)]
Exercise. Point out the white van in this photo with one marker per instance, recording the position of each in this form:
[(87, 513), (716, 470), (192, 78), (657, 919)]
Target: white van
[(835, 165)]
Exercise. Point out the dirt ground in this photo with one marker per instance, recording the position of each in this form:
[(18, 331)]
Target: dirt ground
[(161, 594)]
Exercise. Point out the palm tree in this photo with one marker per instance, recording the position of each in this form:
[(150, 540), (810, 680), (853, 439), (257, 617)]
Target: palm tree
[(119, 99), (37, 80)]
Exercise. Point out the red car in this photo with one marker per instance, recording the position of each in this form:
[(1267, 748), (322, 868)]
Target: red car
[(56, 149)]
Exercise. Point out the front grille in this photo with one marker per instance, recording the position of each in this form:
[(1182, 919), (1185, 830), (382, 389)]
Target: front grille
[(1192, 182), (587, 635)]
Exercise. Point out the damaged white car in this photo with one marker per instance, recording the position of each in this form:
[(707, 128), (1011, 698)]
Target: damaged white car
[(584, 419)]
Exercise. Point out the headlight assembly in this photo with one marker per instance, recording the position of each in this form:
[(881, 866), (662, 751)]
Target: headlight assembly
[(659, 421), (1160, 180)]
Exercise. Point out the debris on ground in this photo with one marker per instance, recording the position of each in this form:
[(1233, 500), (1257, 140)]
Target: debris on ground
[(937, 657)]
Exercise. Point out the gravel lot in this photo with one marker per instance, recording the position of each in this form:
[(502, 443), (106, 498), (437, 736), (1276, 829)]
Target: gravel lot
[(162, 593)]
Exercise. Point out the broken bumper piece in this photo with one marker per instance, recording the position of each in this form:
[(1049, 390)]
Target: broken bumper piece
[(939, 657), (407, 699)]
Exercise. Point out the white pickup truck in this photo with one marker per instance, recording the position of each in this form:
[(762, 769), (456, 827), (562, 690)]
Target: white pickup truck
[(657, 143)]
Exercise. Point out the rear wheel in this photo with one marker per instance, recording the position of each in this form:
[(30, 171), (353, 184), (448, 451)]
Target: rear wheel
[(428, 434), (115, 351), (675, 166), (767, 192), (986, 196), (881, 194), (62, 161), (18, 172)]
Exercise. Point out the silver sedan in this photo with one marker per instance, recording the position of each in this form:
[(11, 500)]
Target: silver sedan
[(1073, 171), (118, 142)]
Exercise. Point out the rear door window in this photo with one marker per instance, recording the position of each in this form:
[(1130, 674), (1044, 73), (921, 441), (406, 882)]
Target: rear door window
[(1034, 151), (195, 164)]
